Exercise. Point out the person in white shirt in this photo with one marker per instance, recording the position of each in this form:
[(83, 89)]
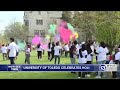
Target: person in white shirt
[(89, 56), (49, 50), (66, 48), (4, 51), (57, 49), (102, 56), (82, 59), (12, 51), (116, 61), (39, 50), (27, 55)]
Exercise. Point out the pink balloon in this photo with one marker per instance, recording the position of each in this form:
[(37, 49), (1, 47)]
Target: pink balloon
[(36, 40), (44, 46)]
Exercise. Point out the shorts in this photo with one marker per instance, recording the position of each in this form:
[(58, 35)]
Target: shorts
[(17, 53)]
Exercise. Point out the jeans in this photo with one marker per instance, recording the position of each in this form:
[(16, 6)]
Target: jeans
[(12, 60), (66, 53), (27, 58), (116, 74), (100, 62), (39, 54), (49, 54), (57, 56), (4, 55), (72, 60), (52, 52)]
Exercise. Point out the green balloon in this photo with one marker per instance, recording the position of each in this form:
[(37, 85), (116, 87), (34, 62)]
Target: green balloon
[(70, 27), (52, 28), (21, 44)]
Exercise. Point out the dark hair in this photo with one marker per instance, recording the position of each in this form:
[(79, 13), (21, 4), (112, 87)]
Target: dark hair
[(102, 44), (57, 43), (119, 46), (38, 45), (12, 39), (82, 49), (3, 45), (49, 45), (53, 45), (75, 42), (88, 48)]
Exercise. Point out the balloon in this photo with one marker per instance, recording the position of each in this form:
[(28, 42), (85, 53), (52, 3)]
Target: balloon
[(70, 27), (21, 44), (76, 35), (52, 28), (47, 37), (36, 40)]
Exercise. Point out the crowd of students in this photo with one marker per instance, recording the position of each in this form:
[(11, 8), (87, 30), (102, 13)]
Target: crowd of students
[(11, 52), (84, 52)]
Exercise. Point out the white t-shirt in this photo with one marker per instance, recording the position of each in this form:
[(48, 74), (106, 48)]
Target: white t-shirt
[(89, 57), (27, 51), (117, 56), (13, 48), (83, 59), (40, 48), (92, 47), (66, 48), (49, 49), (4, 49), (77, 48), (57, 50), (102, 53)]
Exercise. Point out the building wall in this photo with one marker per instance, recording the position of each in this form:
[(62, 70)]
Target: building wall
[(48, 17)]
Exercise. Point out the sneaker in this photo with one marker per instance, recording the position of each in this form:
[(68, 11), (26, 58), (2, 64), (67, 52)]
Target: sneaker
[(98, 77), (88, 75), (78, 77)]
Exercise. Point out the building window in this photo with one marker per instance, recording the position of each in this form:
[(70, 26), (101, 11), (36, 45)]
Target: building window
[(36, 32), (26, 22), (40, 33), (39, 22), (39, 12)]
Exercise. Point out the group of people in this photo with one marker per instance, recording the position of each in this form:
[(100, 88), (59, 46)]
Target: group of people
[(84, 52), (11, 52)]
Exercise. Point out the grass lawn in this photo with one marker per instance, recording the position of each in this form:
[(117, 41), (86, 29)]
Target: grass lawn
[(37, 75)]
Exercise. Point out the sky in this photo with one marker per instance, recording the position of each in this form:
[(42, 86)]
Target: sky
[(7, 17)]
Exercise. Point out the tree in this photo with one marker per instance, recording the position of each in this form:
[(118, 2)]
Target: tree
[(108, 27), (85, 22), (66, 15), (17, 30)]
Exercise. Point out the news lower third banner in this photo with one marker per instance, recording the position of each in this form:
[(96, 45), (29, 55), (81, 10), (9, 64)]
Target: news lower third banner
[(62, 68)]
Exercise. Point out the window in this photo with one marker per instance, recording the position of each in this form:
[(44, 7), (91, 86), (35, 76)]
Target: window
[(36, 32), (40, 32), (39, 22), (39, 12)]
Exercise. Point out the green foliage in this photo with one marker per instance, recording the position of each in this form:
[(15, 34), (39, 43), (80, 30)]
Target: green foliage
[(108, 28), (16, 30), (66, 15)]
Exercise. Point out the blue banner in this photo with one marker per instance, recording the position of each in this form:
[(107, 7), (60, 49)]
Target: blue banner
[(60, 68)]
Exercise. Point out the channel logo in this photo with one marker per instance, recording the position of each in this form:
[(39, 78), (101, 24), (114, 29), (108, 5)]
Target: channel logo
[(102, 67)]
